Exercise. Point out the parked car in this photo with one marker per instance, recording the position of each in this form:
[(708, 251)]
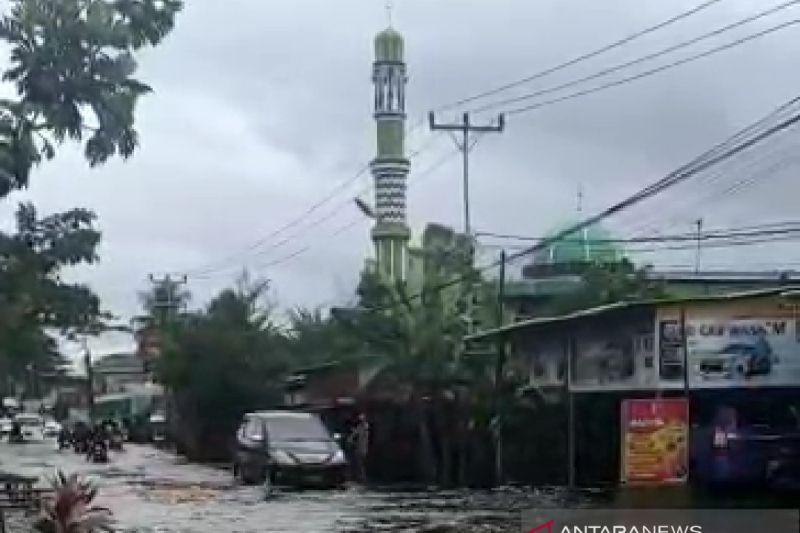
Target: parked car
[(739, 448), (51, 429), (287, 448), (32, 426), (739, 359)]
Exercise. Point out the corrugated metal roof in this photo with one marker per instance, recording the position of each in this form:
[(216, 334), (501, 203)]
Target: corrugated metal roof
[(618, 306)]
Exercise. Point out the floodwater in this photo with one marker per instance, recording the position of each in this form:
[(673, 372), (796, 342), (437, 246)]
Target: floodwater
[(154, 491)]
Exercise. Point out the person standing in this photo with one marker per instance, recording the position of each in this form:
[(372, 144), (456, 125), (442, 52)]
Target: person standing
[(359, 441)]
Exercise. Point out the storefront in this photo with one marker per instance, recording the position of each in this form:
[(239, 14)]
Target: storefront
[(598, 363)]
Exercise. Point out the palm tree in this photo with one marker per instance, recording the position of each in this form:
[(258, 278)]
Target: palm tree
[(70, 508), (419, 335)]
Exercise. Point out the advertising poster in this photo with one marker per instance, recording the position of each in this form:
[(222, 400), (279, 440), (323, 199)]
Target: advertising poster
[(743, 352), (655, 436), (671, 350), (619, 358)]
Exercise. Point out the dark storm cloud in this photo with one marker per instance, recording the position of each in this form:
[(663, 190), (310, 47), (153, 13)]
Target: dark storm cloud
[(262, 106)]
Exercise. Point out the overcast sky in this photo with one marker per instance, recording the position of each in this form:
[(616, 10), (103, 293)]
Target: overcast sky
[(262, 107)]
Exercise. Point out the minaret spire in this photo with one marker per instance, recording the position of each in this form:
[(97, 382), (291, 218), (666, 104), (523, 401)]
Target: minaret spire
[(389, 9)]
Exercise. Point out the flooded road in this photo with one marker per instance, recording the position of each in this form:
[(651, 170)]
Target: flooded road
[(154, 491)]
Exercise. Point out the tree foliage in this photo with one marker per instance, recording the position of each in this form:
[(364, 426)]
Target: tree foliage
[(313, 338), (72, 64), (223, 361), (33, 296), (607, 283), (71, 68)]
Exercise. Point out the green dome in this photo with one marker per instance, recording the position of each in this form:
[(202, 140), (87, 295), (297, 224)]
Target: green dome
[(589, 245), (389, 46)]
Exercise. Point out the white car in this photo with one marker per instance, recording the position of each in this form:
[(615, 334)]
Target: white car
[(6, 425), (32, 426)]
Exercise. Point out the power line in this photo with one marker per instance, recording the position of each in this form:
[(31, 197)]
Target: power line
[(738, 186), (424, 174), (794, 236), (715, 155), (642, 59), (654, 71), (746, 231), (753, 172), (726, 243), (581, 58), (720, 173), (223, 264)]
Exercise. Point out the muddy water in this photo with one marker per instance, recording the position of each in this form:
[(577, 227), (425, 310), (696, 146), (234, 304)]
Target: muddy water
[(154, 491)]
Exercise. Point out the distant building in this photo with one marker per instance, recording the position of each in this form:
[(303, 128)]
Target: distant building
[(113, 373), (557, 270)]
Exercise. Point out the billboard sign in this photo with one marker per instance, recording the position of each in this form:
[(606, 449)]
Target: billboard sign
[(654, 440), (743, 351)]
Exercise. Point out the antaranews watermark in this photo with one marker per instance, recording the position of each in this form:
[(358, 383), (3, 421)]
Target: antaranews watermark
[(660, 520)]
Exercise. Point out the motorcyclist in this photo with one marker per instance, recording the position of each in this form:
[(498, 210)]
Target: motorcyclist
[(16, 432), (64, 438), (81, 437), (98, 442)]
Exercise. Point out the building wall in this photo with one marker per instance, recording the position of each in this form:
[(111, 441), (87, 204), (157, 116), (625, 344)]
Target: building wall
[(747, 342), (608, 353)]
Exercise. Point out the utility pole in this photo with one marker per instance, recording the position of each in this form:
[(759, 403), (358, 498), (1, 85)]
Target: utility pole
[(465, 145), (699, 224), (500, 362), (165, 290), (87, 361)]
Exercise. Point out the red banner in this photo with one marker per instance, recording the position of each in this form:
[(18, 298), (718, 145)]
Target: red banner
[(655, 434)]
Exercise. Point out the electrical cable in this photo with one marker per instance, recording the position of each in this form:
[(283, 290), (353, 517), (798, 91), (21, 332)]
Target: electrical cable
[(651, 72), (422, 175), (579, 59), (642, 59), (714, 156)]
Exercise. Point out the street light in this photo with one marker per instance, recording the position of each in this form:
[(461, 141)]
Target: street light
[(364, 207)]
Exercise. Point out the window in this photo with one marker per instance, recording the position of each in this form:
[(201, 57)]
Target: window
[(254, 429)]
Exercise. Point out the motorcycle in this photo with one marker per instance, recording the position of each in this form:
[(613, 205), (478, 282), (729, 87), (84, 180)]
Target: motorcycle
[(64, 441), (80, 445), (16, 436), (115, 442), (98, 452)]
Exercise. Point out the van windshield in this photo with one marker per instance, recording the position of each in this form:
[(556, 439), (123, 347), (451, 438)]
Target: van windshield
[(296, 429), (29, 421)]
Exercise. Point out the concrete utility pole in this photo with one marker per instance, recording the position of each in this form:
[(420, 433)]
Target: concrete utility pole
[(465, 145), (168, 288), (499, 371)]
